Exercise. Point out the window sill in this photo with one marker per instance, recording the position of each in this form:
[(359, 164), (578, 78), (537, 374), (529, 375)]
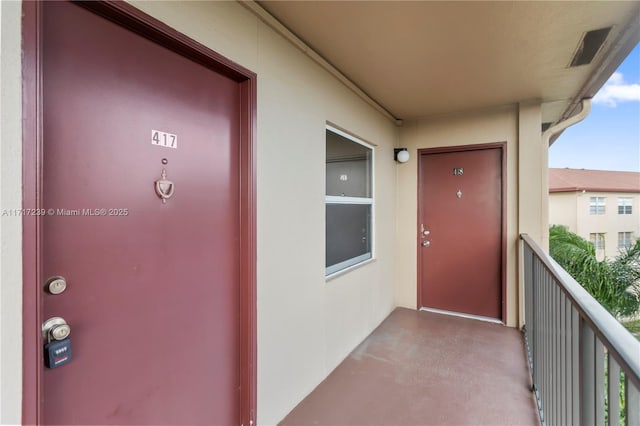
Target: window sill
[(338, 274)]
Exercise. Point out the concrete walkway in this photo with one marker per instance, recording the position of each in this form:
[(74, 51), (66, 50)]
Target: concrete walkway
[(422, 368)]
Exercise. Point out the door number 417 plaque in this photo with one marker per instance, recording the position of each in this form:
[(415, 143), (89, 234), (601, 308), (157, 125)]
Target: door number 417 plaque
[(167, 140)]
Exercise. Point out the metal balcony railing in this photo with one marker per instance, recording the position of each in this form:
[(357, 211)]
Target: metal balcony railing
[(585, 365)]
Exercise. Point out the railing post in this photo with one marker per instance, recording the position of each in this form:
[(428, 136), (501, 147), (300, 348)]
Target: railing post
[(533, 327), (568, 334), (543, 344), (587, 374), (553, 359), (599, 381), (568, 329), (613, 391), (632, 404), (562, 366), (575, 363)]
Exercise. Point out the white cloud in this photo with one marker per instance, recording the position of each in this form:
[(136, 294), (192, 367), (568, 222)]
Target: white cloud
[(616, 90)]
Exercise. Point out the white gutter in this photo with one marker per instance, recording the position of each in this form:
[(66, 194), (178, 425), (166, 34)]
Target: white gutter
[(586, 109), (544, 190)]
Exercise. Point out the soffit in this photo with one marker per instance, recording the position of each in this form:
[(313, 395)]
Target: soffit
[(419, 59)]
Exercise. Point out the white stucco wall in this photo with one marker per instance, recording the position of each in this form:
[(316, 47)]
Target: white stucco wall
[(533, 175), (571, 209), (562, 209), (10, 226), (306, 325), (499, 125), (609, 223)]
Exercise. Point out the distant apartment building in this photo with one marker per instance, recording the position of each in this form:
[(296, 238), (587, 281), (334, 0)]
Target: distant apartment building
[(600, 206)]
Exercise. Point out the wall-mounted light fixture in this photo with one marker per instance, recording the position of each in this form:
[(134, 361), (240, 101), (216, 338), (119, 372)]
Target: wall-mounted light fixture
[(401, 155)]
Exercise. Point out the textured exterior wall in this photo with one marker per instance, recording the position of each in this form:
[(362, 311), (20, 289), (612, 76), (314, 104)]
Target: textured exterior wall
[(572, 210), (10, 226), (500, 125), (563, 209), (306, 324)]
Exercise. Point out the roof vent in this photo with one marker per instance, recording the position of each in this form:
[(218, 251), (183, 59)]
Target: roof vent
[(590, 44)]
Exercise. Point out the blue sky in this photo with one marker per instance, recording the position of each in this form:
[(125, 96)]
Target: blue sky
[(609, 138)]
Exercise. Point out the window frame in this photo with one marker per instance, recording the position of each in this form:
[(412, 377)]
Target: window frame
[(594, 206), (625, 205), (355, 262), (594, 239), (626, 243)]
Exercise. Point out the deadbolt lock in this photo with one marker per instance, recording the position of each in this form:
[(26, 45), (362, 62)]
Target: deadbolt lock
[(56, 285)]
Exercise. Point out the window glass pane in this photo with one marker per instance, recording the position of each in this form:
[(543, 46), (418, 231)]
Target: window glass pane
[(598, 240), (348, 167), (624, 206), (597, 205), (348, 234), (624, 240)]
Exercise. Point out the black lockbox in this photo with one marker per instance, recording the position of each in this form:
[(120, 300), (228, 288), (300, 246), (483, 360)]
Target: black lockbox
[(57, 353)]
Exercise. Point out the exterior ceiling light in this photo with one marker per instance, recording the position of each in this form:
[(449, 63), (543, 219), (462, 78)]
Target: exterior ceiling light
[(401, 155)]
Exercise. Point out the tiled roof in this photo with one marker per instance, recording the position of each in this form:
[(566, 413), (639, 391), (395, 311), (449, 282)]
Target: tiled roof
[(569, 180)]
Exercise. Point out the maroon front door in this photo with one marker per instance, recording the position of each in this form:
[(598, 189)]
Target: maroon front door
[(460, 231), (153, 295)]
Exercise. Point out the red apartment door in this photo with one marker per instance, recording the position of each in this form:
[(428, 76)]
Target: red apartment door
[(152, 293), (460, 231)]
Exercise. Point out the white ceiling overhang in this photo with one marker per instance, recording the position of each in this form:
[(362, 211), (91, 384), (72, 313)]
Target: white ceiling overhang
[(418, 59)]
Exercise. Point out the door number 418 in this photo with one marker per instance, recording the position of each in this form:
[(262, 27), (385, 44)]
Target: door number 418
[(167, 140)]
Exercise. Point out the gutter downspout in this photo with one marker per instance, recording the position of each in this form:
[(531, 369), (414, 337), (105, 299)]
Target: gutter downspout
[(546, 137), (586, 109)]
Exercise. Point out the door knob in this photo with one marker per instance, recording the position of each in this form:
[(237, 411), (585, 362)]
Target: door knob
[(57, 350), (55, 328), (426, 243)]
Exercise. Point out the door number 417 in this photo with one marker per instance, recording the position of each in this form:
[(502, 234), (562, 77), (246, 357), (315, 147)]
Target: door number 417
[(167, 140)]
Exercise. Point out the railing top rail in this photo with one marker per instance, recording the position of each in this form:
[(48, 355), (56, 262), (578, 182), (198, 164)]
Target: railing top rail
[(619, 342)]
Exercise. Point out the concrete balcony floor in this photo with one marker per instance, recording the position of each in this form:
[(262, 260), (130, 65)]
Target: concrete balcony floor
[(423, 368)]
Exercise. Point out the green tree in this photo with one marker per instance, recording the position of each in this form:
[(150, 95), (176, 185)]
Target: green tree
[(615, 284)]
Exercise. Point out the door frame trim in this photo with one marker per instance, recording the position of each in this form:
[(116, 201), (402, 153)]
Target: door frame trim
[(146, 26), (503, 258)]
